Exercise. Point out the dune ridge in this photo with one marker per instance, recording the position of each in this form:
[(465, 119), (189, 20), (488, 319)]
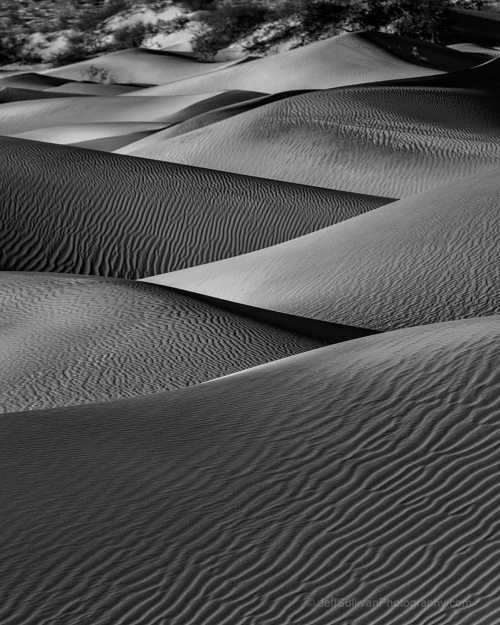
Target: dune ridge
[(71, 210), (425, 259), (67, 340), (391, 140), (366, 470), (337, 61)]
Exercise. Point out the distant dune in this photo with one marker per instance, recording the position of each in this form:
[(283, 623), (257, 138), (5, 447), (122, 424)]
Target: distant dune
[(71, 210), (338, 61), (90, 133), (74, 340), (19, 117), (300, 491), (148, 67), (425, 259), (392, 140)]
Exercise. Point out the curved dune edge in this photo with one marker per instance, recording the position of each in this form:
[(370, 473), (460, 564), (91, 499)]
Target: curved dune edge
[(26, 116), (202, 118), (149, 67), (362, 472), (71, 210), (425, 259), (15, 94), (338, 61), (75, 133), (68, 339), (394, 139)]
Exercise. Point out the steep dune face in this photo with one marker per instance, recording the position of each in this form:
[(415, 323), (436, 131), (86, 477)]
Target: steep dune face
[(363, 472), (137, 66), (342, 60), (430, 258), (74, 340), (393, 140), (77, 211)]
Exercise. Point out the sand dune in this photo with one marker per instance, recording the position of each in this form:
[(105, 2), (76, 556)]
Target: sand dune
[(74, 340), (13, 94), (200, 118), (338, 61), (92, 88), (138, 66), (90, 133), (24, 116), (393, 140), (366, 471), (31, 80), (425, 259), (481, 27), (77, 211)]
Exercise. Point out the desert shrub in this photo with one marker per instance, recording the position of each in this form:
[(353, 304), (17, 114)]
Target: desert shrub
[(130, 36), (77, 49), (316, 15), (426, 19), (230, 20), (196, 5), (91, 19)]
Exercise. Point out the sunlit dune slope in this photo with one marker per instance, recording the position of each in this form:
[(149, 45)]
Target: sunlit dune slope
[(393, 139), (137, 66), (338, 61), (71, 210), (18, 117), (77, 133), (360, 473), (74, 340), (429, 258)]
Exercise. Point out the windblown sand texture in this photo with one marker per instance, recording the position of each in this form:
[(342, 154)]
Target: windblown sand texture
[(429, 258), (71, 340), (393, 140), (366, 470), (72, 210), (250, 361)]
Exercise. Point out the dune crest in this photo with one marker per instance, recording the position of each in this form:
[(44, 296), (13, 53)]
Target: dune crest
[(78, 211), (425, 259)]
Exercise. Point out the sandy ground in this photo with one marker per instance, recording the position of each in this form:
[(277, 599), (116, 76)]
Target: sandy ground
[(292, 416)]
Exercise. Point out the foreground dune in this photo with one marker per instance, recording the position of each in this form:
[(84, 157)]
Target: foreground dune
[(363, 472), (73, 340), (393, 140), (71, 210), (137, 66), (429, 258), (338, 61)]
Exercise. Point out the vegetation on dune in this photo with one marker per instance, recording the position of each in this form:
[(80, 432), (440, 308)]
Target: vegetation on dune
[(257, 24)]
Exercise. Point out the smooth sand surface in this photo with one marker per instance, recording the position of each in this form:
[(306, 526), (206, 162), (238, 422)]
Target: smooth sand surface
[(481, 27), (92, 88), (78, 133), (31, 80), (334, 62), (393, 139), (15, 94), (71, 210), (425, 259), (20, 117), (74, 340), (138, 66), (366, 471)]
